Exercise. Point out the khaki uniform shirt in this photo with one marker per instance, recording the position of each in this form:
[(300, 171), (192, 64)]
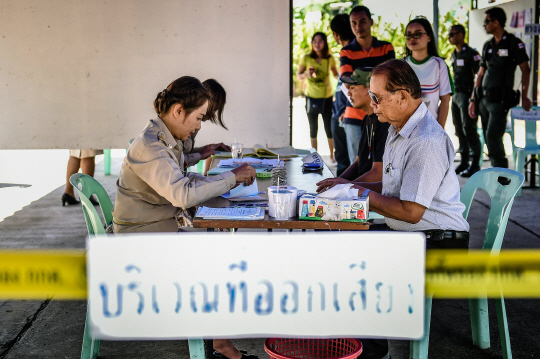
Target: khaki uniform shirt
[(191, 155), (153, 188)]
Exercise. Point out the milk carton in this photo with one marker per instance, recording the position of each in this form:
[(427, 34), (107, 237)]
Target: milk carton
[(344, 209), (354, 210), (307, 206)]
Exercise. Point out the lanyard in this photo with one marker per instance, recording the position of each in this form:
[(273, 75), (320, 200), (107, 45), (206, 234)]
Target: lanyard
[(370, 137)]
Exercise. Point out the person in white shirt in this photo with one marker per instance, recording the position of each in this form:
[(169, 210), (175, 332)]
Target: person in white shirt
[(422, 55)]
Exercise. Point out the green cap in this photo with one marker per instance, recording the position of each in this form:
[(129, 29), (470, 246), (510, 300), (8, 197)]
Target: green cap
[(360, 76)]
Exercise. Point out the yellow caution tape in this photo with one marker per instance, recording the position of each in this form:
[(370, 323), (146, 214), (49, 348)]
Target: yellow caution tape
[(41, 274), (449, 274), (464, 274)]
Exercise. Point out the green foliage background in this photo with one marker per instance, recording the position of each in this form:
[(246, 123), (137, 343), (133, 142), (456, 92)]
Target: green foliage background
[(302, 32)]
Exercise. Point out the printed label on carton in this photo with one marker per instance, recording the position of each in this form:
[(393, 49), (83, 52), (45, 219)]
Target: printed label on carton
[(345, 209)]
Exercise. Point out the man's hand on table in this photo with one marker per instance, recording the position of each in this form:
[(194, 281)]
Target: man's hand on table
[(209, 150), (245, 174), (328, 183)]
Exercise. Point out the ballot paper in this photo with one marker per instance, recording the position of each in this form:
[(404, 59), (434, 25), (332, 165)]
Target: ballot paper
[(243, 191), (243, 213)]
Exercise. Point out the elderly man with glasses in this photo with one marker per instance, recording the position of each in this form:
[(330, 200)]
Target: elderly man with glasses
[(419, 190)]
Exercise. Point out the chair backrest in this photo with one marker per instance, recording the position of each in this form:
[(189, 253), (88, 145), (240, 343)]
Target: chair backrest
[(531, 118), (87, 186), (501, 184)]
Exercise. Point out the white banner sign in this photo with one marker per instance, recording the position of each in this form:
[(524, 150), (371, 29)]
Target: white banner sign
[(347, 284), (521, 114)]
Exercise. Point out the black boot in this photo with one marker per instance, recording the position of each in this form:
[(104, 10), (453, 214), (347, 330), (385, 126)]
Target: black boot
[(464, 161), (473, 168), (462, 166)]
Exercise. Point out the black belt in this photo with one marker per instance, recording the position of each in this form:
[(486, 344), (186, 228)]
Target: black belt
[(439, 235)]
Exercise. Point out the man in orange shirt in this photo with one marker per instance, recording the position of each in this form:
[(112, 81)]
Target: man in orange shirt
[(364, 51)]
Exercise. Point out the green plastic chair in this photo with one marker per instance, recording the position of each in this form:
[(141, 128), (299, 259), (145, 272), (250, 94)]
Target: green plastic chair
[(87, 186), (531, 141), (502, 197)]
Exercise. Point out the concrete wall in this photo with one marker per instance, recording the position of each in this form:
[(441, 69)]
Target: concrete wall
[(478, 36), (84, 74)]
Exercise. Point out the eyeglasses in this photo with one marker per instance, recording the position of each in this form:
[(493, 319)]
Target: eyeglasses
[(487, 21), (376, 99), (450, 34), (416, 35)]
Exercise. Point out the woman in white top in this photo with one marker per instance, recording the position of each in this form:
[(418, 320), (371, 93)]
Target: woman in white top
[(422, 55)]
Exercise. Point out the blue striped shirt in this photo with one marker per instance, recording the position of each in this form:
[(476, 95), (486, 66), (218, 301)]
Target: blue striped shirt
[(417, 167)]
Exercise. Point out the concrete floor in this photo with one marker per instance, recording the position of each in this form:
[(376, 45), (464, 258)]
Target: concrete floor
[(31, 184)]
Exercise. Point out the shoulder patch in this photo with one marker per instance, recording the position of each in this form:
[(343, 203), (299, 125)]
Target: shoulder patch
[(521, 45), (477, 58)]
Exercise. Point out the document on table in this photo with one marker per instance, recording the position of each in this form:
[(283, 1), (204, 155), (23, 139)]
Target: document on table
[(251, 213), (218, 170), (243, 191), (251, 161)]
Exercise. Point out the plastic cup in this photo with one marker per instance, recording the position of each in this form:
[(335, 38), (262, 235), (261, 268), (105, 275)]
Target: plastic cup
[(282, 204), (236, 150)]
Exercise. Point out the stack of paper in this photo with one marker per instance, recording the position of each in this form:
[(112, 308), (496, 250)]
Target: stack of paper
[(261, 151), (252, 213), (244, 193), (251, 161), (259, 165)]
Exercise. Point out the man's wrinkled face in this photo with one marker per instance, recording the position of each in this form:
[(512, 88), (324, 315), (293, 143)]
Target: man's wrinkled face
[(387, 109)]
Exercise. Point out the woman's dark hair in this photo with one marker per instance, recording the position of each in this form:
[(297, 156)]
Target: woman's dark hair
[(399, 76), (496, 13), (187, 91), (218, 97), (341, 25), (432, 46), (325, 51)]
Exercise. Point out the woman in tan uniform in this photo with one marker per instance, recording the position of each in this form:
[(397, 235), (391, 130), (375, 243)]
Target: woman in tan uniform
[(153, 187)]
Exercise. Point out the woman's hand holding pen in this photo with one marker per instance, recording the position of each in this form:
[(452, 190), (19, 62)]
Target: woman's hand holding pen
[(245, 173)]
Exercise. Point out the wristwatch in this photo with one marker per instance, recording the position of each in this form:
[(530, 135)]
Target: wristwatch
[(366, 192), (471, 100)]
